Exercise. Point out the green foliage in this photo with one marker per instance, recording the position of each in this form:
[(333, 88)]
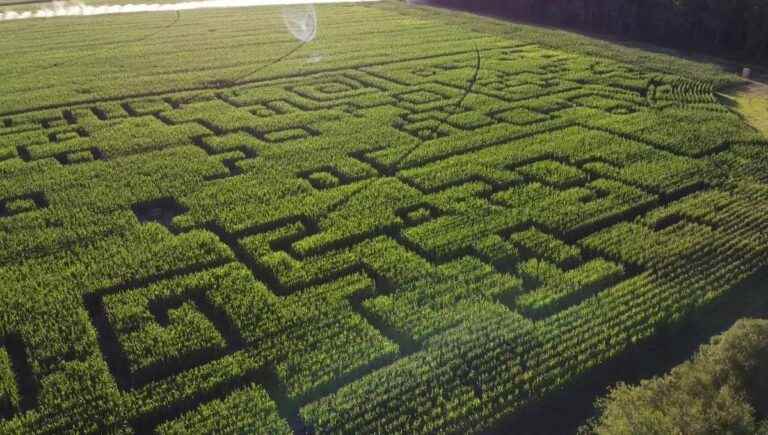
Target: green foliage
[(80, 157), (323, 180), (710, 394), (541, 245), (145, 342), (246, 410), (378, 233), (20, 206), (560, 288), (521, 116), (9, 389), (553, 173)]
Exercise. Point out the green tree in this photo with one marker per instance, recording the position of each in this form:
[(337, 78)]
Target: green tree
[(721, 391)]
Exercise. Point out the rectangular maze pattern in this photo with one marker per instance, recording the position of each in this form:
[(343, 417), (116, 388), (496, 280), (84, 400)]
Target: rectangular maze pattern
[(447, 238)]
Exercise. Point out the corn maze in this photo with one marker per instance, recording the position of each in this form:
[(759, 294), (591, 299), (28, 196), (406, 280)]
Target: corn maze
[(420, 244)]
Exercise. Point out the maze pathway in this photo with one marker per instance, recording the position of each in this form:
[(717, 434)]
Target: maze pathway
[(406, 246)]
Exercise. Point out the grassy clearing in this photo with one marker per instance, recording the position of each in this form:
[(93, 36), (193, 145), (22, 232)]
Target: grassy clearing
[(401, 226), (751, 101)]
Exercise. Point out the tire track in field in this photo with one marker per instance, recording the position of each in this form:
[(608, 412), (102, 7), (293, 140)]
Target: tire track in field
[(442, 122), (243, 77)]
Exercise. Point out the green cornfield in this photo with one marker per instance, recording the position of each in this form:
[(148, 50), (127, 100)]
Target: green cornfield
[(402, 226)]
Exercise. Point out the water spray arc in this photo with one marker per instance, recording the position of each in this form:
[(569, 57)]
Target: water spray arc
[(301, 22)]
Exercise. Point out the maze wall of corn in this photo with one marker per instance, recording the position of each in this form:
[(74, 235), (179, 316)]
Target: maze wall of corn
[(401, 227)]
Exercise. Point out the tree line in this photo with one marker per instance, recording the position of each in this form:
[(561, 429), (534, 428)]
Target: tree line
[(737, 28)]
